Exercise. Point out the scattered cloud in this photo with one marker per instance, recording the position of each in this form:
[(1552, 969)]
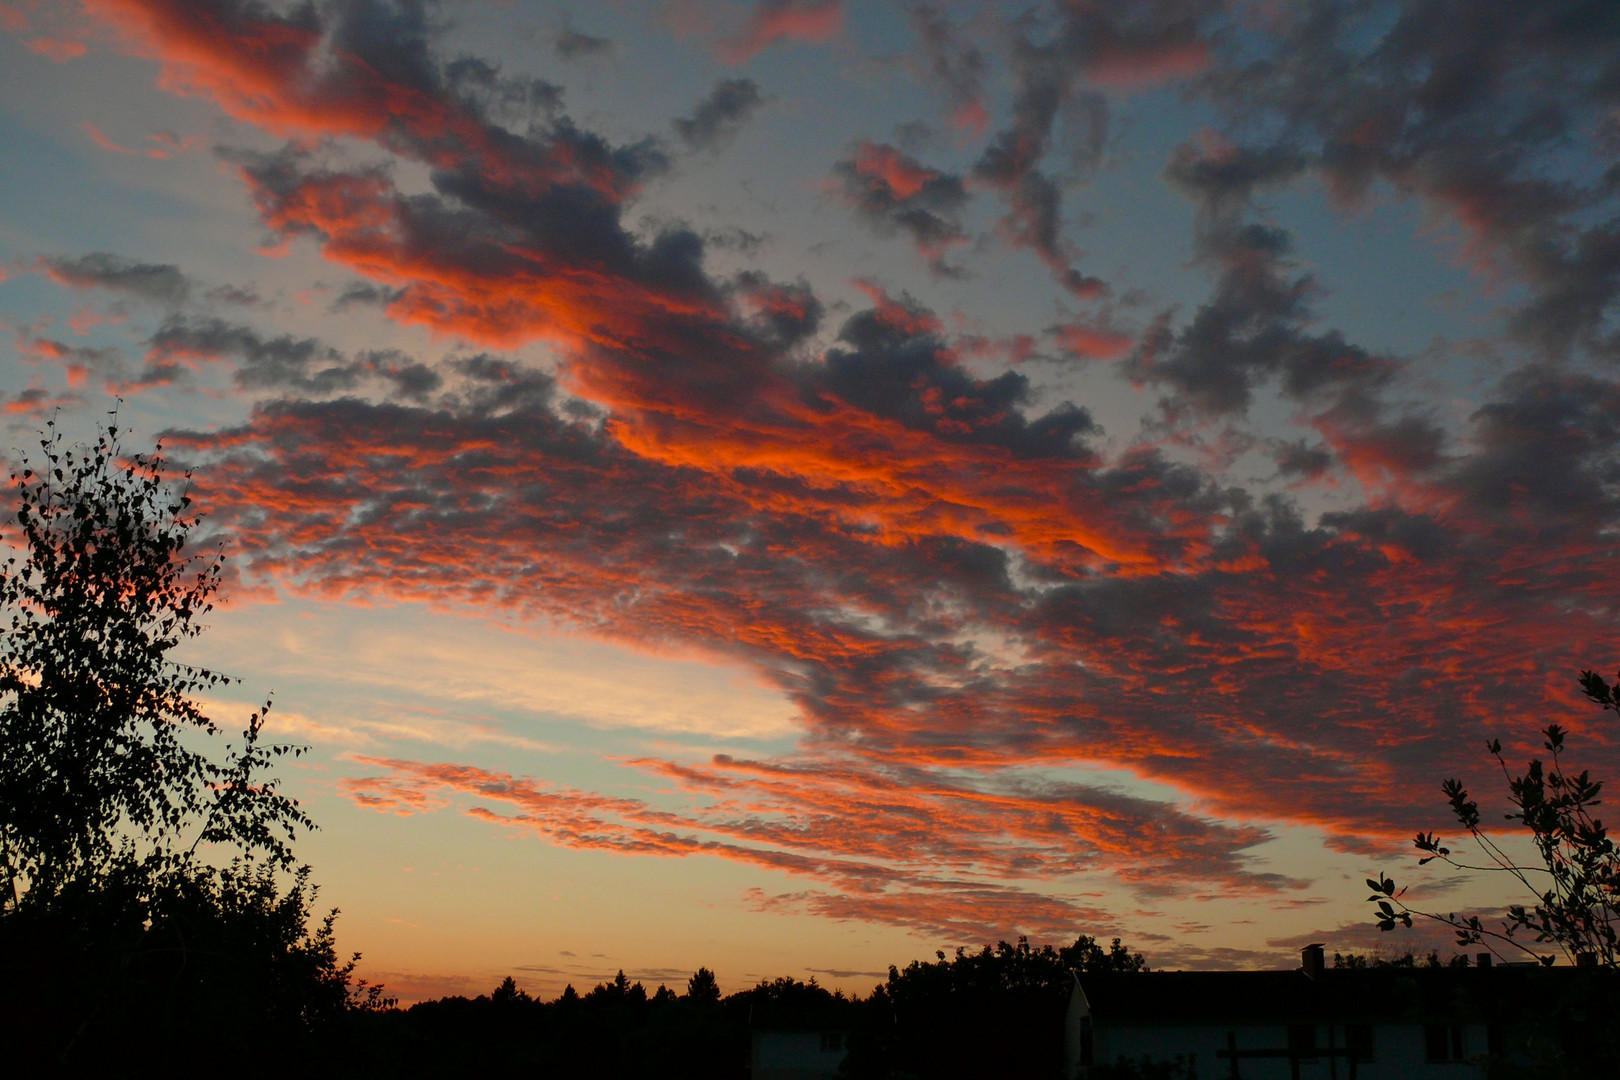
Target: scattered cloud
[(161, 283), (859, 836), (896, 193), (774, 21), (720, 115), (572, 44)]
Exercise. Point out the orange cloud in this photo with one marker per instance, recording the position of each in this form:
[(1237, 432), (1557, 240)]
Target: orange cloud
[(913, 856), (773, 21), (101, 140), (1126, 65), (904, 177), (59, 49), (1093, 342)]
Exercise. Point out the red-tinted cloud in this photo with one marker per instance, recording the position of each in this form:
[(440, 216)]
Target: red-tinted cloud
[(1092, 342), (36, 403), (98, 137), (934, 858), (59, 49), (13, 19), (1123, 64), (899, 194), (772, 21)]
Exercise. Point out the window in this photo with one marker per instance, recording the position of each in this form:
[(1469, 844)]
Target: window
[(1358, 1039), (832, 1042), (1444, 1042)]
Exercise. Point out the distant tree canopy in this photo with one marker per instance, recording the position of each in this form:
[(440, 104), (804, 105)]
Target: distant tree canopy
[(702, 987), (1361, 961), (120, 940), (615, 1029), (997, 1012)]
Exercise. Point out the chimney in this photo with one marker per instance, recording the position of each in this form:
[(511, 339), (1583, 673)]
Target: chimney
[(1314, 960), (1483, 960)]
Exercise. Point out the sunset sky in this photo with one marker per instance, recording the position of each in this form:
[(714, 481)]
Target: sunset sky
[(791, 486)]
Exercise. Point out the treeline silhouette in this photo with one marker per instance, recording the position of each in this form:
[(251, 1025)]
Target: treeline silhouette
[(996, 1012), (230, 969), (131, 976)]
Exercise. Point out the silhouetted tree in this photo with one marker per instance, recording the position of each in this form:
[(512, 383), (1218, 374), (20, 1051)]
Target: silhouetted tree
[(96, 766), (117, 937), (1575, 890), (509, 993), (702, 987), (1567, 1028), (997, 1012)]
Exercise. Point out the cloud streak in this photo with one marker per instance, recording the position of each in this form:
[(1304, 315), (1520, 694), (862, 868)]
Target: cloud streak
[(872, 846)]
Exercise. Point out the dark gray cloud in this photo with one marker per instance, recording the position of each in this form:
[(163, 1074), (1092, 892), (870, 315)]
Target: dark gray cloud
[(79, 363), (1297, 459), (280, 363), (1259, 323), (161, 283), (720, 115), (158, 283), (897, 194), (408, 378), (34, 404), (475, 219), (572, 44), (783, 315), (1500, 114), (957, 65), (364, 292), (1011, 165), (1546, 451), (887, 366), (735, 238), (235, 295), (476, 80), (1256, 325), (1223, 180), (498, 385), (263, 363), (1062, 62)]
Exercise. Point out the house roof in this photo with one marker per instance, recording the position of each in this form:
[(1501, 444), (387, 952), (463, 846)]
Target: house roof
[(1361, 995)]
